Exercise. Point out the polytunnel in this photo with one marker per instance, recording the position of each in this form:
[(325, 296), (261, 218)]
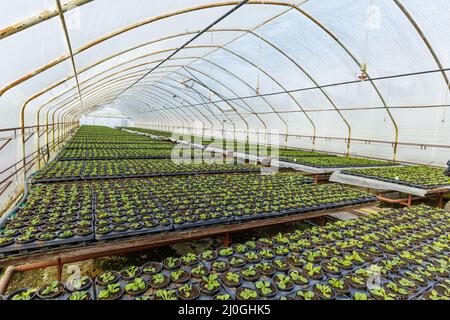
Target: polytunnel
[(365, 79)]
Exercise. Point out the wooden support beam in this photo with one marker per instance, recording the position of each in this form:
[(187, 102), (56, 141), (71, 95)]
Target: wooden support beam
[(41, 17)]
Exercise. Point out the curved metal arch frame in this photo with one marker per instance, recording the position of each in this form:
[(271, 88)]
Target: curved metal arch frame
[(422, 35), (104, 71), (199, 82), (190, 90), (183, 91), (171, 103), (126, 69), (353, 57), (40, 108), (91, 78), (156, 100), (237, 112), (144, 86), (280, 85), (100, 90), (244, 31), (47, 127), (133, 28), (234, 93), (165, 91), (96, 94), (308, 75), (97, 84), (167, 115), (166, 101), (59, 108), (269, 76), (127, 29), (147, 63), (88, 92), (158, 116), (228, 103), (204, 102), (161, 110), (64, 105), (297, 8)]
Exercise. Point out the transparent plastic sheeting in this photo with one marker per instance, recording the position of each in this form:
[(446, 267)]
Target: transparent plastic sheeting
[(264, 47), (381, 185)]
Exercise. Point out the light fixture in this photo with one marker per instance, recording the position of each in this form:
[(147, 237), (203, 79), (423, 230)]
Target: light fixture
[(363, 75)]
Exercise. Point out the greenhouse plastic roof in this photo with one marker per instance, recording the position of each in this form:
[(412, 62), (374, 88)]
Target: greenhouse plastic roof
[(290, 66)]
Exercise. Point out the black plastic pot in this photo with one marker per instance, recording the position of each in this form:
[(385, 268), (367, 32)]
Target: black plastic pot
[(153, 265), (185, 277), (274, 291), (207, 292), (19, 291), (176, 265), (224, 266), (239, 291), (228, 283), (162, 285), (85, 285), (194, 295), (115, 274), (116, 296), (60, 292)]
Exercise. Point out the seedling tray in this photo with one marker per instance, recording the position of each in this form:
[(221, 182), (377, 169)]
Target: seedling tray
[(18, 248), (131, 233), (149, 175), (205, 223), (67, 294), (401, 182), (258, 216), (113, 158)]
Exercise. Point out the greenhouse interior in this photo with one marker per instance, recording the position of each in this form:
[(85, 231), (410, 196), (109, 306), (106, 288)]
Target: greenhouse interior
[(224, 150)]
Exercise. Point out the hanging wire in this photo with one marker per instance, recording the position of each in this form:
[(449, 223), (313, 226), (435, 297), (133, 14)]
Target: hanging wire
[(210, 94), (363, 66), (444, 115), (346, 96), (258, 76), (388, 98), (186, 30)]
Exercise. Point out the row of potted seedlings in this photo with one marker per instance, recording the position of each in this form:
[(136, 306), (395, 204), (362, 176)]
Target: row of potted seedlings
[(152, 144), (299, 156), (53, 215), (148, 205), (153, 205), (88, 135), (396, 255), (133, 168), (240, 146), (92, 141), (77, 289), (63, 213), (149, 131), (99, 154), (414, 176), (334, 161)]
